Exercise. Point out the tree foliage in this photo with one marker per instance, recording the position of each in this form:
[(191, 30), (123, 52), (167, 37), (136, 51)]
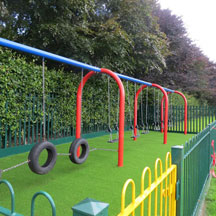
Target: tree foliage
[(120, 35), (134, 37), (187, 67)]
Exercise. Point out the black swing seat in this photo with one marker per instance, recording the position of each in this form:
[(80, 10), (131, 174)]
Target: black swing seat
[(113, 141), (109, 129), (135, 136), (116, 127)]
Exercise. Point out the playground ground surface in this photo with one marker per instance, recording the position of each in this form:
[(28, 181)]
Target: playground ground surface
[(98, 178), (210, 200)]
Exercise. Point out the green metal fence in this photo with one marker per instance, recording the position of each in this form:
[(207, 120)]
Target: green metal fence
[(29, 128), (198, 118), (193, 169)]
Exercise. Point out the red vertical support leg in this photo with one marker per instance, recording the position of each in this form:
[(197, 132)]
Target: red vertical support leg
[(162, 114), (121, 114), (79, 106), (121, 110), (79, 103), (166, 110), (185, 111), (135, 109)]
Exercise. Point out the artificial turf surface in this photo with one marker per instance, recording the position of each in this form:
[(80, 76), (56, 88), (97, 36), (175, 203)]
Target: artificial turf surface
[(98, 178)]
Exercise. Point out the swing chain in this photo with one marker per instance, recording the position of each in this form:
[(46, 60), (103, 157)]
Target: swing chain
[(129, 106), (158, 114), (146, 114), (81, 95), (141, 106), (111, 140), (170, 120), (13, 167), (136, 126)]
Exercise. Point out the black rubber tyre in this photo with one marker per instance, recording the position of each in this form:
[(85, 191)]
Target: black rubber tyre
[(34, 155), (84, 151)]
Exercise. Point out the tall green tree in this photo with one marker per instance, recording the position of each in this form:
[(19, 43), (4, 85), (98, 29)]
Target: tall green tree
[(187, 67), (149, 45), (120, 35), (65, 27)]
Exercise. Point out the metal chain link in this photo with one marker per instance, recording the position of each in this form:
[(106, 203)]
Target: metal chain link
[(103, 149), (13, 167)]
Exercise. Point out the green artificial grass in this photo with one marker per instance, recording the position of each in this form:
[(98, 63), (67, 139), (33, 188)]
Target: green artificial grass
[(98, 178)]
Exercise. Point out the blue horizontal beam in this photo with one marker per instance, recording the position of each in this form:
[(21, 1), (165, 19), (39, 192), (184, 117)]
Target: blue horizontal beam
[(133, 79), (168, 90), (140, 81), (58, 58), (44, 54)]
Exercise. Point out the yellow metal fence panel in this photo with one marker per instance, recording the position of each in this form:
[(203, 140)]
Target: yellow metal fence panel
[(163, 188)]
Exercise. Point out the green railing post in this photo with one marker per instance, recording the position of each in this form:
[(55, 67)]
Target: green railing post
[(11, 192), (33, 120), (191, 118), (178, 159), (10, 138), (20, 132), (49, 199), (210, 130), (0, 135), (5, 211), (15, 137)]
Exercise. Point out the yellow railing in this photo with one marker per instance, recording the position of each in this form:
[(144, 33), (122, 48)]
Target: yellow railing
[(164, 186)]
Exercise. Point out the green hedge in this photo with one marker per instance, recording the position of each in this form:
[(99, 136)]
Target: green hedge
[(21, 94)]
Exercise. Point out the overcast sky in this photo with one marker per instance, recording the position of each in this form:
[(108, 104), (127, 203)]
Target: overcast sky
[(199, 17)]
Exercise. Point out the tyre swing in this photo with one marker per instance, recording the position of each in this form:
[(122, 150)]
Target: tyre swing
[(34, 154), (79, 148), (111, 140), (74, 155)]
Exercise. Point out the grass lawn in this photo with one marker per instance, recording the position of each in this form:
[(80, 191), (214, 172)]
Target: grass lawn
[(210, 199), (98, 178)]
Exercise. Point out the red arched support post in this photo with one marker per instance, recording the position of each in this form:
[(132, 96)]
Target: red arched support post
[(162, 115), (166, 110), (121, 110), (135, 109), (185, 110)]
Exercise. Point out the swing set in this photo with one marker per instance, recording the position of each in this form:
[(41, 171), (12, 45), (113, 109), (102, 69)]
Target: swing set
[(74, 150), (111, 140)]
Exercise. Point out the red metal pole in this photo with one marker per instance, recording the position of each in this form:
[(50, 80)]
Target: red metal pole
[(166, 110), (121, 110), (135, 109), (185, 111), (79, 103), (162, 123)]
